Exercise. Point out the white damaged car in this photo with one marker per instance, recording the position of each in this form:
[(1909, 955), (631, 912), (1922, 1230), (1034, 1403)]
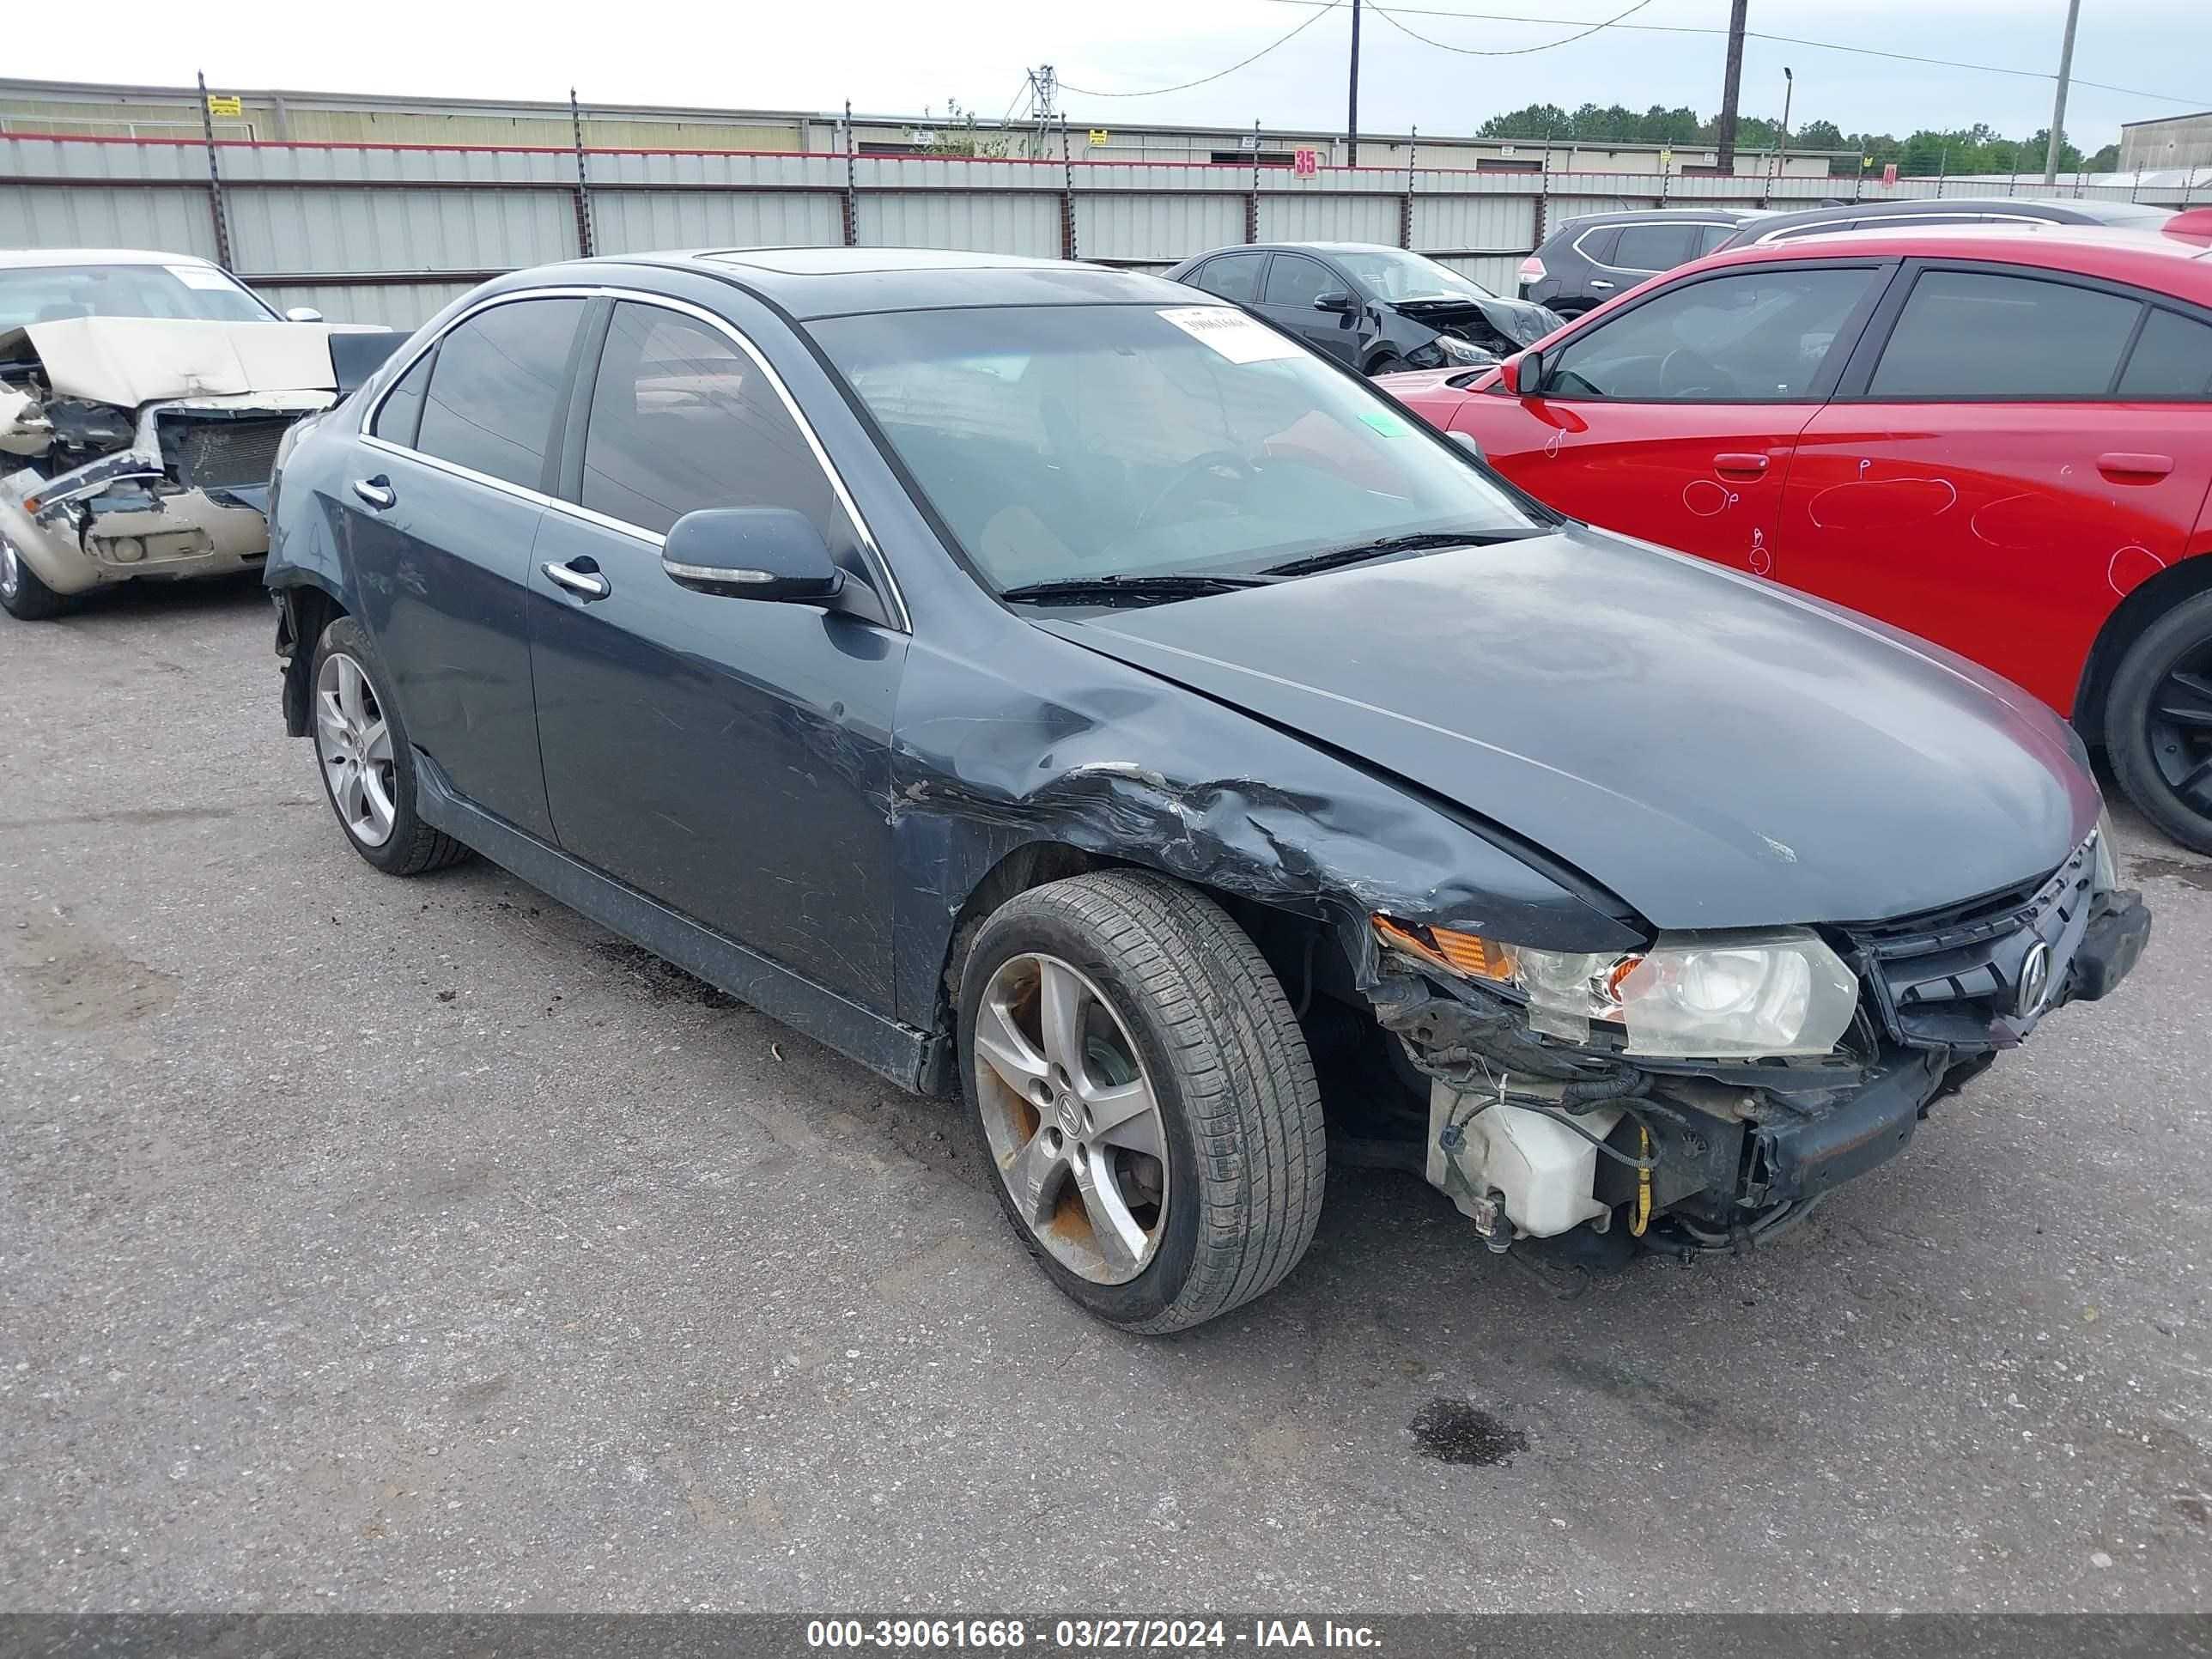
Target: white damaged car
[(143, 397)]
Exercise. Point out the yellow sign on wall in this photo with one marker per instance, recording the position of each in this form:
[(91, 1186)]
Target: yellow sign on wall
[(219, 104), (1098, 136)]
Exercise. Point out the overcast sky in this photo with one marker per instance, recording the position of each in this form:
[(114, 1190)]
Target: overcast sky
[(899, 58)]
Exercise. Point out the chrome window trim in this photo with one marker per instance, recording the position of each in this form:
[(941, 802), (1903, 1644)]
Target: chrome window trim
[(1694, 224), (870, 547)]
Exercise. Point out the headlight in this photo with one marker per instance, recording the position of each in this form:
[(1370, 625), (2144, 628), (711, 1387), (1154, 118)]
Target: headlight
[(1717, 996), (2108, 860), (1463, 352)]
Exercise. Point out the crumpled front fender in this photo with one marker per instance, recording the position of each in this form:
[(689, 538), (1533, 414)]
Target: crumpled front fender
[(1120, 764)]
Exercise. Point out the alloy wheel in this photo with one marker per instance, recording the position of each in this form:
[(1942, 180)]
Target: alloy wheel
[(11, 570), (356, 743), (1073, 1119), (2180, 726)]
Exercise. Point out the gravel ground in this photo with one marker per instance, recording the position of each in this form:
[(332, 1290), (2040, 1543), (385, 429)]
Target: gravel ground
[(382, 1244)]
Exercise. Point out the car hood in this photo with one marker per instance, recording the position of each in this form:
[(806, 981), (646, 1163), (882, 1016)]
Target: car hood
[(1521, 321), (131, 361), (1718, 751)]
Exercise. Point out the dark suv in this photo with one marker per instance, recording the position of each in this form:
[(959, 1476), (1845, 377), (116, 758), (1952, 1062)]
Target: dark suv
[(1586, 261)]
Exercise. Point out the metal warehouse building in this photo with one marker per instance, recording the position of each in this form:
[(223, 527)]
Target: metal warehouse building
[(93, 111), (2173, 141)]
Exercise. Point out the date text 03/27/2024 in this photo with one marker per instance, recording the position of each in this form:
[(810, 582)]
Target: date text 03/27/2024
[(1087, 1635)]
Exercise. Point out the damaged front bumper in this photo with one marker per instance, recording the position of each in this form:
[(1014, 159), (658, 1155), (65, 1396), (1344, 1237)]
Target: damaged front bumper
[(187, 497), (1533, 1138)]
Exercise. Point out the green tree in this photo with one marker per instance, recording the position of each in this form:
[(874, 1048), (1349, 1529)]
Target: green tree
[(1818, 135), (1660, 125), (1529, 121)]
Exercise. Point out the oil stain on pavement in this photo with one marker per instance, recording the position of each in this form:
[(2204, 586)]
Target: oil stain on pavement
[(1452, 1431)]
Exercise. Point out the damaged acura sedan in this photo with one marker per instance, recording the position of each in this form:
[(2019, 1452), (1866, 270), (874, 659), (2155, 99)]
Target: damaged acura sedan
[(142, 399), (1047, 686)]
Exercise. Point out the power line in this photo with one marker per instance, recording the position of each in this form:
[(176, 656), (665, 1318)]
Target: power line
[(1508, 51), (1395, 12), (1326, 7)]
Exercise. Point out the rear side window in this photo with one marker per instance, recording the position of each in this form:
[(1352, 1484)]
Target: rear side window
[(495, 388), (1294, 280), (1758, 336), (681, 419), (2172, 358), (1234, 277), (1596, 245), (1710, 237), (1972, 334), (1652, 247), (402, 410)]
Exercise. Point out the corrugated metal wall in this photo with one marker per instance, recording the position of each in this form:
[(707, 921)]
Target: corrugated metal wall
[(387, 233)]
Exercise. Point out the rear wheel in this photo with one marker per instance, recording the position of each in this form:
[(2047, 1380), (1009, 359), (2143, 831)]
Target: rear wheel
[(1140, 1083), (2157, 722), (22, 595), (367, 767)]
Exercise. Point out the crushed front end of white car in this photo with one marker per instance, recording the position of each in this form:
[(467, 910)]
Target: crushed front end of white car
[(135, 448)]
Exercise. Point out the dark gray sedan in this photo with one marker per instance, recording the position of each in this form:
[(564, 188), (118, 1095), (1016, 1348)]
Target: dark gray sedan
[(1051, 686), (1376, 309)]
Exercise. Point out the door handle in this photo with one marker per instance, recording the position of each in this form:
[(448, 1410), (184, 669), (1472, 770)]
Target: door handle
[(1740, 465), (584, 584), (376, 491), (2129, 465), (1600, 282)]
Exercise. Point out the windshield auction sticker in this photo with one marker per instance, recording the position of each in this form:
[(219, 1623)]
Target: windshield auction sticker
[(1237, 336)]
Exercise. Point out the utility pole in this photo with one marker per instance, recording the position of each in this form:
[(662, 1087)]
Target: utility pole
[(1351, 110), (1725, 140), (2058, 106), (1782, 151)]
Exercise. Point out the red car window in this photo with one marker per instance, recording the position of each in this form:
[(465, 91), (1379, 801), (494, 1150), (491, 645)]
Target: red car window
[(1974, 334)]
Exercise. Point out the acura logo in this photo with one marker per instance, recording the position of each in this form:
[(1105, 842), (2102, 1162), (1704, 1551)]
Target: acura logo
[(2034, 980)]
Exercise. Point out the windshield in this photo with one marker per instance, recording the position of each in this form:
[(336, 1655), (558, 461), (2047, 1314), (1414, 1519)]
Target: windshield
[(1397, 277), (1069, 441), (47, 294)]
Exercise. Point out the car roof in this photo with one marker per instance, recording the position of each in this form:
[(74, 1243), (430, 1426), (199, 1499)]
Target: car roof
[(808, 283), (20, 257), (2066, 210), (1712, 211), (2170, 264)]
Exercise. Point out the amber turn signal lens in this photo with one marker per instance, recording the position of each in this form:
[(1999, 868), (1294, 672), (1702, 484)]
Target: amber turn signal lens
[(1468, 954)]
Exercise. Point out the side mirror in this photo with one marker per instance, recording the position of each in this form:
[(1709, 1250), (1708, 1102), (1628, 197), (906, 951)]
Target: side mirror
[(751, 553), (303, 314), (1335, 299), (1469, 442), (1523, 374)]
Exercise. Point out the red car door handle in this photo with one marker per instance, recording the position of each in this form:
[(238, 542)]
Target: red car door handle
[(1739, 465), (2129, 465)]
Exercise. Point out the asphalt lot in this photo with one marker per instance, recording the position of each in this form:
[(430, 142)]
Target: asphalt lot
[(370, 1243)]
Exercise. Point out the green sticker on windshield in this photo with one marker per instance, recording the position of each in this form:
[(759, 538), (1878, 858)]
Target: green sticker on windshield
[(1389, 425)]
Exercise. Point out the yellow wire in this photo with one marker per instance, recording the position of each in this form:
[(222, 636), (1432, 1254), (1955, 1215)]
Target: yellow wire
[(1642, 1217)]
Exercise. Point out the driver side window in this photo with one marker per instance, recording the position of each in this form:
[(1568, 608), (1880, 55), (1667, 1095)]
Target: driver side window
[(1756, 337)]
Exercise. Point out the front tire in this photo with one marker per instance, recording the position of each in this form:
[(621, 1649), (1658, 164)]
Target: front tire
[(22, 595), (365, 763), (1142, 1089), (2157, 722), (1389, 363)]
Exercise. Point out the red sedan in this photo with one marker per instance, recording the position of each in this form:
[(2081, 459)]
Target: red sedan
[(1999, 440)]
